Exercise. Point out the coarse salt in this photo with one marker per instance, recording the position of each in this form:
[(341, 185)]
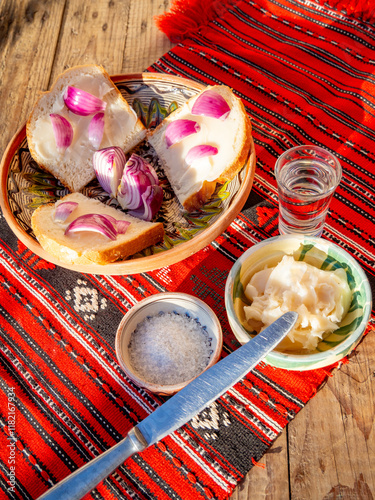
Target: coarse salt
[(169, 348)]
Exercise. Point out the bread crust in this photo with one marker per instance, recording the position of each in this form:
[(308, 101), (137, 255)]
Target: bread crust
[(198, 199), (237, 164), (121, 252)]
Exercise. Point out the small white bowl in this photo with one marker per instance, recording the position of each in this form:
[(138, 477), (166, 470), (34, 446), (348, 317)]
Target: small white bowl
[(322, 254), (168, 302)]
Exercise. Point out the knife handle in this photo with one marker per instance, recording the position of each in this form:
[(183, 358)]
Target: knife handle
[(84, 479)]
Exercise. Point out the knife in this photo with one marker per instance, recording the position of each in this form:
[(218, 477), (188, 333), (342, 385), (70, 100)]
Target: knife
[(175, 412)]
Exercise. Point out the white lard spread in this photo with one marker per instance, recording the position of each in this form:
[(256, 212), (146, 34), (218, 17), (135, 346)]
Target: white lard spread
[(321, 299), (188, 179), (118, 124)]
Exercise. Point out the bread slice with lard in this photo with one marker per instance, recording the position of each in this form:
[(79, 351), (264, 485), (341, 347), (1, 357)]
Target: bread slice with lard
[(88, 247), (74, 167), (194, 184)]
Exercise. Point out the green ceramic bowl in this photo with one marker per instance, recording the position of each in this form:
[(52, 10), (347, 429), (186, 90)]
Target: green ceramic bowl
[(322, 254)]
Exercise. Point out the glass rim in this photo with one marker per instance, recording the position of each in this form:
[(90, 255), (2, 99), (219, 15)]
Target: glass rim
[(338, 171)]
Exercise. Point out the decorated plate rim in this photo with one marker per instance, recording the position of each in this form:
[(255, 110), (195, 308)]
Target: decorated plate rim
[(149, 262)]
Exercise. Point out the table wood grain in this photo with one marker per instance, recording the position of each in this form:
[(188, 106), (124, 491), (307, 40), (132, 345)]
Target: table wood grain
[(328, 451)]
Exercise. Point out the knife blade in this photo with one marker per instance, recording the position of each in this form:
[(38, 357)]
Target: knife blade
[(175, 412)]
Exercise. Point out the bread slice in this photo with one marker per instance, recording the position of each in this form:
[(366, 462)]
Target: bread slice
[(74, 167), (194, 184), (91, 247)]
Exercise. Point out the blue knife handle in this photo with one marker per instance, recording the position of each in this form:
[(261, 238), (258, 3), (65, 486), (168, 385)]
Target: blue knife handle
[(83, 480)]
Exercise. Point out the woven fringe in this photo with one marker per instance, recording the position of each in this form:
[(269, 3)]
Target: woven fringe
[(258, 464), (186, 17)]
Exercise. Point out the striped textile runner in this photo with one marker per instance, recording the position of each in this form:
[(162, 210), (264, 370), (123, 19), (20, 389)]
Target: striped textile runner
[(305, 72)]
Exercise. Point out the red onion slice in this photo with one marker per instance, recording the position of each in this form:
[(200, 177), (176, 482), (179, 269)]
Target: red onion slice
[(151, 174), (82, 103), (200, 151), (179, 129), (122, 226), (138, 175), (63, 132), (64, 209), (108, 165), (96, 130), (104, 224), (152, 199), (211, 104)]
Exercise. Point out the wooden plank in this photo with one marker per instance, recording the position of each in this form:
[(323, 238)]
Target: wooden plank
[(28, 37), (268, 479), (142, 32), (92, 33), (332, 440), (121, 36)]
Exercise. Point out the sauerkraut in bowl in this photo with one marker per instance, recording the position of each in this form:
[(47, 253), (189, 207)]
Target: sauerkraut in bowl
[(311, 276)]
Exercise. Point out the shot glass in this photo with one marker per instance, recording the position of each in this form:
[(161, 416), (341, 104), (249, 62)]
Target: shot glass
[(307, 177)]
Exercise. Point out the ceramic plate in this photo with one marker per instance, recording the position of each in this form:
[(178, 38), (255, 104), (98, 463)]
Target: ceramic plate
[(24, 186)]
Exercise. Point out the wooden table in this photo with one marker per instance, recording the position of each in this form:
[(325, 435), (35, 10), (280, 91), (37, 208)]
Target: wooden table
[(328, 451)]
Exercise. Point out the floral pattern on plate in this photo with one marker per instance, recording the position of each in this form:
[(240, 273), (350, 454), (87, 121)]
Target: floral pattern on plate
[(28, 186)]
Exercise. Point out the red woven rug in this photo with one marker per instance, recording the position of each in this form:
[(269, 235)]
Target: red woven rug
[(305, 72)]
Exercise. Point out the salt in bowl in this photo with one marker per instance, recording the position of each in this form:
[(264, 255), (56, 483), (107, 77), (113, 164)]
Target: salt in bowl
[(164, 306)]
